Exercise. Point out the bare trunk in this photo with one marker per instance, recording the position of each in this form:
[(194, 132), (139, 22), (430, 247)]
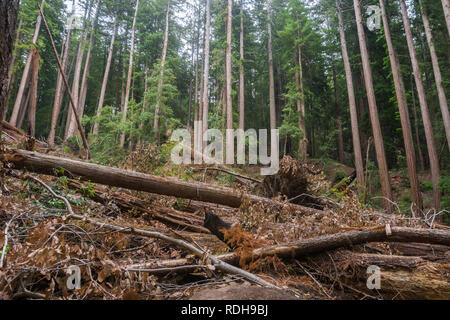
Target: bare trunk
[(376, 128), (352, 101), (59, 91), (31, 125), (446, 6), (23, 110), (87, 64), (130, 71), (241, 74), (273, 117), (416, 127), (338, 118), (432, 153), (161, 76), (105, 77), (8, 20), (303, 145), (206, 52), (26, 71), (404, 116), (437, 73), (70, 123)]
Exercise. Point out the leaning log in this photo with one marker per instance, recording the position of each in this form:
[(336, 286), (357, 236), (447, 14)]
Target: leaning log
[(56, 166)]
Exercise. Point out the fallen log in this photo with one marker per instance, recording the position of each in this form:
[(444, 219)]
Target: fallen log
[(321, 244), (51, 165), (169, 216)]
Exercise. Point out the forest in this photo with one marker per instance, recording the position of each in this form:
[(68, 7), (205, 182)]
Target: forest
[(353, 95)]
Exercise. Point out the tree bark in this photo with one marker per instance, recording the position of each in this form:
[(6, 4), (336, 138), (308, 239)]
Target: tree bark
[(11, 73), (416, 126), (352, 101), (45, 164), (446, 6), (161, 76), (437, 73), (241, 73), (130, 71), (404, 116), (273, 116), (303, 143), (31, 125), (70, 123), (8, 20), (59, 91), (338, 118), (206, 58), (432, 153), (87, 64), (105, 77), (376, 128), (26, 71)]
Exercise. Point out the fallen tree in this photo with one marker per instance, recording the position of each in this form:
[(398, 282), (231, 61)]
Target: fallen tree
[(56, 166)]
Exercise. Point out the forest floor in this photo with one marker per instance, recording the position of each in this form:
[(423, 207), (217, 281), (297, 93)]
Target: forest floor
[(42, 247)]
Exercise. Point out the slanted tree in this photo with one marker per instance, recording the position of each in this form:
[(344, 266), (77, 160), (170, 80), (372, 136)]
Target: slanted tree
[(373, 109), (130, 71), (432, 152), (404, 115)]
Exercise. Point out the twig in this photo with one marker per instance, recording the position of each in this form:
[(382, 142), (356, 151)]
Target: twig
[(314, 279)]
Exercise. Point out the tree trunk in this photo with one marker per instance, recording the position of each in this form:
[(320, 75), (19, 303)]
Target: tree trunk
[(432, 153), (23, 109), (416, 126), (303, 145), (352, 102), (446, 6), (228, 60), (378, 138), (241, 74), (205, 81), (31, 125), (161, 76), (87, 64), (46, 164), (8, 20), (70, 123), (437, 73), (273, 117), (130, 71), (338, 117), (26, 71), (105, 77), (11, 73), (404, 116), (59, 91)]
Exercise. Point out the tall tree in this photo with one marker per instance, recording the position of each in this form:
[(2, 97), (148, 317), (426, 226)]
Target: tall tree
[(59, 90), (26, 72), (205, 79), (229, 66), (446, 6), (31, 124), (437, 73), (8, 20), (130, 71), (105, 76), (373, 109), (70, 123), (352, 100), (241, 71), (404, 115), (432, 152), (273, 117), (161, 75)]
